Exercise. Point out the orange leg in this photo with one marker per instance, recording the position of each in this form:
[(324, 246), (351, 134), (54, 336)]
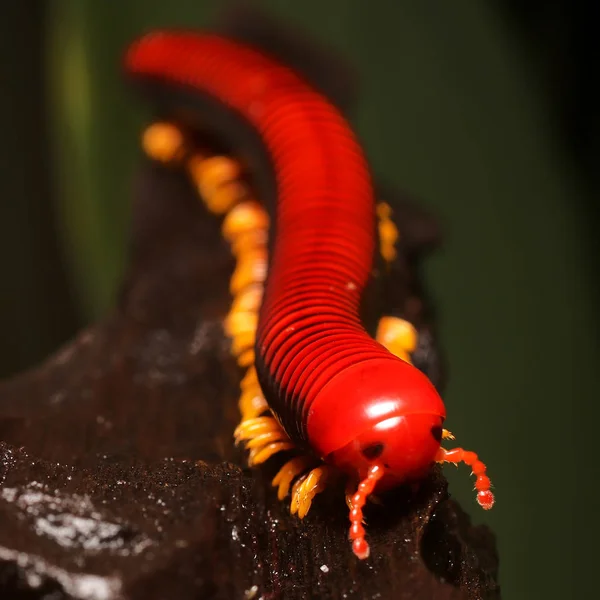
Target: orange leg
[(290, 471), (398, 336), (164, 142), (306, 488), (263, 436), (245, 227), (251, 269), (388, 232), (248, 216), (216, 178)]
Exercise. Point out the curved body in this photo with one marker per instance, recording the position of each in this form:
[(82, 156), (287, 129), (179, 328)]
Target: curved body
[(332, 389), (325, 379)]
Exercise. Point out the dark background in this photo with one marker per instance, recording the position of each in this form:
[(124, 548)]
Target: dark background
[(485, 110)]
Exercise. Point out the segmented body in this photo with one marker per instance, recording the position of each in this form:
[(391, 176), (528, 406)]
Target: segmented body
[(339, 394), (309, 328)]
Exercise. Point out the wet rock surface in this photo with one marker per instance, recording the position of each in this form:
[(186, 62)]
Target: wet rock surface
[(119, 478)]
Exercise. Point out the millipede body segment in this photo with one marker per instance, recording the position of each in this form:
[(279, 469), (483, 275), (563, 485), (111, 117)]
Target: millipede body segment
[(316, 382)]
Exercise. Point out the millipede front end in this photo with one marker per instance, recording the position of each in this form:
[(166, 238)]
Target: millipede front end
[(316, 384)]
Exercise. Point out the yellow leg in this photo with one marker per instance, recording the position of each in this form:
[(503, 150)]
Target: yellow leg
[(250, 269), (163, 142), (245, 227), (251, 428), (216, 178), (388, 232), (245, 217), (398, 336), (310, 480), (261, 454), (250, 380), (291, 470), (263, 436), (248, 241), (252, 404), (211, 173), (240, 322), (242, 343), (246, 358), (248, 300), (306, 488)]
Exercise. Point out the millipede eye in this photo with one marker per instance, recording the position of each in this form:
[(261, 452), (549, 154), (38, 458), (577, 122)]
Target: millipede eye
[(436, 432), (373, 451)]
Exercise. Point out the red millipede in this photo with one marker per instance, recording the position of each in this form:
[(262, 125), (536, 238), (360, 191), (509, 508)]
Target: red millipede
[(339, 394)]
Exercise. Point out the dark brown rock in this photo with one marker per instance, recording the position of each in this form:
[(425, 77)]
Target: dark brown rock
[(119, 478)]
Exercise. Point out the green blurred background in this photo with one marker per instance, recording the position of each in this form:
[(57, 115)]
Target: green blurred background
[(476, 107)]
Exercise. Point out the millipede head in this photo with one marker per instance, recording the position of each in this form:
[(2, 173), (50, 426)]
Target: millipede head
[(384, 412), (405, 447)]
